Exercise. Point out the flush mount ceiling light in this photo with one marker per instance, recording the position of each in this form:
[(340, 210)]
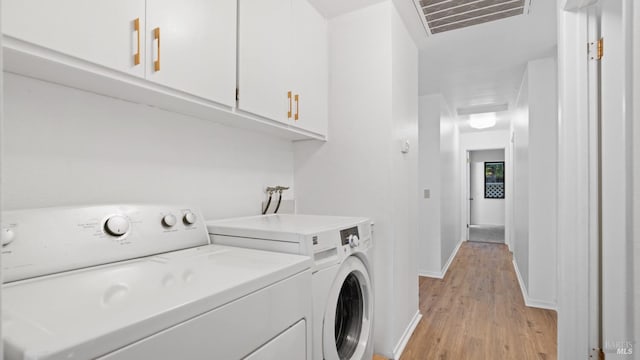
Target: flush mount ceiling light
[(445, 15), (482, 121), (484, 108)]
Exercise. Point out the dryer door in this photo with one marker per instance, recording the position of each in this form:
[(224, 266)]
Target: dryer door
[(347, 327)]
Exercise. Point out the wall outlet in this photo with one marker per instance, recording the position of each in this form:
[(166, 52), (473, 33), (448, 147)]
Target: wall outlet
[(286, 206), (427, 193)]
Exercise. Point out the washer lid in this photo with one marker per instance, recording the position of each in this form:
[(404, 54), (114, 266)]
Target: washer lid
[(88, 313), (283, 227)]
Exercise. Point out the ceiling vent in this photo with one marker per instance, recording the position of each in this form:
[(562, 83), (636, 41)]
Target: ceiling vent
[(445, 15)]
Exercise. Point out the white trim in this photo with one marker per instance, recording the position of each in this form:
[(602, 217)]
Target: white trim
[(440, 274), (423, 19), (402, 343), (453, 255), (465, 185), (577, 4), (577, 323), (541, 304), (431, 274)]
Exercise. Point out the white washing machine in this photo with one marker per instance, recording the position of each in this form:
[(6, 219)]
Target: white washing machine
[(342, 280), (142, 282)]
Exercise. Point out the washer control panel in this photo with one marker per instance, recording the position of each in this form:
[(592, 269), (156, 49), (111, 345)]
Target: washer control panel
[(350, 236), (45, 241)]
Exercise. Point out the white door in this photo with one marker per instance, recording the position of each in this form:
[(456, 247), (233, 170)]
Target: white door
[(101, 32), (311, 77), (191, 46), (264, 59)]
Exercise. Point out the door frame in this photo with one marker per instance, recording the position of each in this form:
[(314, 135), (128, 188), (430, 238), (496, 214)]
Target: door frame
[(468, 193), (579, 182), (466, 190)]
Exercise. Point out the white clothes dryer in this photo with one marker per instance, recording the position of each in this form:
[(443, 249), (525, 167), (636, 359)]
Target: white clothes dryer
[(142, 282), (342, 281)]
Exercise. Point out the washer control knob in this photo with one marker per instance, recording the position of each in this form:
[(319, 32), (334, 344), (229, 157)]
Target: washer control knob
[(117, 225), (169, 220), (354, 241), (189, 218), (7, 236)]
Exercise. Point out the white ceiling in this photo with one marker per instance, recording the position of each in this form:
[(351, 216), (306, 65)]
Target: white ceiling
[(406, 9), (331, 8), (485, 63), (475, 65)]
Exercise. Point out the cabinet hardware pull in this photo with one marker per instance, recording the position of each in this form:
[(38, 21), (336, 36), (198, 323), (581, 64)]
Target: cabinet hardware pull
[(297, 108), (290, 105), (156, 36), (136, 28)]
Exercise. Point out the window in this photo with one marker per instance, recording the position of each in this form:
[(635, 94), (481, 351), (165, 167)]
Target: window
[(494, 180)]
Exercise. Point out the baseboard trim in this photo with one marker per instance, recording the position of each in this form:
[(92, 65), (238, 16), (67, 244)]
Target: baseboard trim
[(450, 260), (399, 348), (443, 272), (541, 304), (431, 274)]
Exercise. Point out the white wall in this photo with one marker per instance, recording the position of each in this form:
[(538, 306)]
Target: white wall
[(520, 126), (535, 129), (485, 211), (439, 230), (429, 244), (66, 147), (360, 171), (404, 112), (450, 180), (543, 180)]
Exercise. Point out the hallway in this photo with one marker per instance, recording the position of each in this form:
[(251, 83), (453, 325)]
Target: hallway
[(486, 233), (477, 312)]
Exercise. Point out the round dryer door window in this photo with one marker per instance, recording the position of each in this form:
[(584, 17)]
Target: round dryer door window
[(347, 321)]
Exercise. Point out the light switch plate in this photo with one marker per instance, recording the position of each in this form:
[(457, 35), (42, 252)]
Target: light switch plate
[(427, 193)]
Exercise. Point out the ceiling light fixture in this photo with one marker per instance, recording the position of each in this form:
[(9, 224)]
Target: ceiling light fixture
[(482, 121), (483, 108)]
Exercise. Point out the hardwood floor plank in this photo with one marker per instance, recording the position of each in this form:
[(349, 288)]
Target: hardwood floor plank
[(477, 312)]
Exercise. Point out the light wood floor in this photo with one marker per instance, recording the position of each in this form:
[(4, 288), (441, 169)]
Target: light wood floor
[(477, 312)]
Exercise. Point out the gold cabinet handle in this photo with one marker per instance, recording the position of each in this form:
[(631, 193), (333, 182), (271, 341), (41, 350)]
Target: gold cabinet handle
[(297, 108), (136, 28), (156, 36), (290, 105)]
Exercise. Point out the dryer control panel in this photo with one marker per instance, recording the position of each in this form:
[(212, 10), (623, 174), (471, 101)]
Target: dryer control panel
[(44, 241)]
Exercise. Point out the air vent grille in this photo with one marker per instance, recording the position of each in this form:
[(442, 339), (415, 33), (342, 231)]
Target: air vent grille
[(446, 15)]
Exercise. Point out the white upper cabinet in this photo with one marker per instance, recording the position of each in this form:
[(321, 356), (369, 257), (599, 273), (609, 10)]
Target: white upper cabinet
[(185, 56), (264, 58), (311, 78), (191, 47), (282, 63), (102, 32)]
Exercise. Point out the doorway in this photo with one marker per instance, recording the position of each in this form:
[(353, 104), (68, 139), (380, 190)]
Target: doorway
[(486, 179)]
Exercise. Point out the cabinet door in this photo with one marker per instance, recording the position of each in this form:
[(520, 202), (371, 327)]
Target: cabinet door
[(264, 61), (191, 47), (102, 32), (311, 69)]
